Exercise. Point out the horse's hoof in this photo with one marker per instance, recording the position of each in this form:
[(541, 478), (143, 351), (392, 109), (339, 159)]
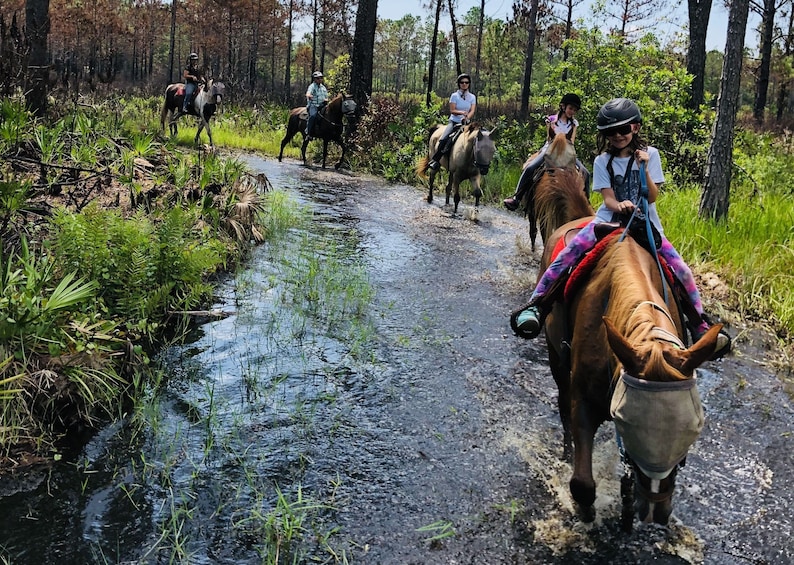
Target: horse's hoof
[(586, 514)]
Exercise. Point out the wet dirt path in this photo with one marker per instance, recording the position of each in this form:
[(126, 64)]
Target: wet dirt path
[(470, 433)]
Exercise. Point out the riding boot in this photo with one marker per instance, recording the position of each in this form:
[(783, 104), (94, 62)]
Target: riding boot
[(435, 161)]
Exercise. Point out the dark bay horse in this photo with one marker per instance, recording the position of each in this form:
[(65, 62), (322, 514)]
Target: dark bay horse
[(205, 104), (616, 351), (550, 200), (469, 158), (328, 126)]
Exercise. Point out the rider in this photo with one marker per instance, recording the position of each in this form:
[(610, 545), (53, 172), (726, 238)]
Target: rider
[(562, 122), (192, 75), (616, 176), (316, 95), (462, 105)]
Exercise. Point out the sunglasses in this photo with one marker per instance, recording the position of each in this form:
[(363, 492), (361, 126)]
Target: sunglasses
[(620, 130), (464, 82)]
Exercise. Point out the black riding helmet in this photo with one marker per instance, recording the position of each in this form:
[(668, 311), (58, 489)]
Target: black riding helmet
[(462, 76), (572, 99), (617, 112)]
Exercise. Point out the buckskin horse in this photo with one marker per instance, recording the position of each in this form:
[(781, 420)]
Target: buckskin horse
[(548, 200), (328, 126), (616, 352), (205, 103), (470, 157)]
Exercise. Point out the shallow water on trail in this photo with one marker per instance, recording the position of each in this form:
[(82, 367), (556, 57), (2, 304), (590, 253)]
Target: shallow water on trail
[(367, 403)]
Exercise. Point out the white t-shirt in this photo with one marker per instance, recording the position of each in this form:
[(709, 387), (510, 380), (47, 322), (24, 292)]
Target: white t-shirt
[(626, 190), (462, 104)]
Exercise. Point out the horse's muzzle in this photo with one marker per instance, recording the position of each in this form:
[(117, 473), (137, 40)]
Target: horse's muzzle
[(483, 169)]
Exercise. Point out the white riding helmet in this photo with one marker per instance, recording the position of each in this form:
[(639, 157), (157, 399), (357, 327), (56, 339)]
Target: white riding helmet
[(317, 74), (193, 57)]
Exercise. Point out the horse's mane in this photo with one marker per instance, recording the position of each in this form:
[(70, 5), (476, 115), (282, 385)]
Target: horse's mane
[(559, 198), (629, 274)]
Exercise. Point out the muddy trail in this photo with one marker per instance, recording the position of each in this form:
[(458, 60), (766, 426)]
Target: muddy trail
[(427, 435)]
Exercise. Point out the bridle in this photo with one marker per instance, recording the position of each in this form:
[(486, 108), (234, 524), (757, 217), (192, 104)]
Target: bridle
[(482, 167)]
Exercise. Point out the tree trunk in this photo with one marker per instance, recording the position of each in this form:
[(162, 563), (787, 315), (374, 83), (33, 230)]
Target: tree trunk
[(455, 43), (699, 12), (432, 62), (172, 43), (363, 46), (479, 45), (788, 46), (715, 198), (523, 111), (37, 25), (287, 73), (762, 82)]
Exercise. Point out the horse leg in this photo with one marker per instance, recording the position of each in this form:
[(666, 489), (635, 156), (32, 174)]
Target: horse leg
[(198, 133), (561, 373), (303, 148), (430, 191), (456, 189), (325, 151), (477, 191), (342, 158), (582, 484), (627, 500), (206, 124), (287, 139)]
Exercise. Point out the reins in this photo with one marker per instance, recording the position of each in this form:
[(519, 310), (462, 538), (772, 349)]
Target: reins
[(643, 206)]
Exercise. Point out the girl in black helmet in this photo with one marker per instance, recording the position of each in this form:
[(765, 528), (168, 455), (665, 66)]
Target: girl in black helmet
[(462, 105), (563, 122), (616, 176)]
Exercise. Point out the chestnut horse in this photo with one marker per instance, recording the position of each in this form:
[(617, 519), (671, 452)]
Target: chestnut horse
[(205, 103), (548, 200), (616, 351), (470, 157), (328, 126)]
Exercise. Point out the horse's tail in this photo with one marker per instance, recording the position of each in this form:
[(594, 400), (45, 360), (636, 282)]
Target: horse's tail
[(422, 166), (164, 111)]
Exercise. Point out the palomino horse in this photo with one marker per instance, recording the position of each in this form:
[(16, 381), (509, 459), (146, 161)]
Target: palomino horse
[(547, 199), (328, 126), (205, 103), (470, 157), (616, 351)]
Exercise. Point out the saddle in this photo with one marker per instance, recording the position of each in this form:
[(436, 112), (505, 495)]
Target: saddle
[(604, 233)]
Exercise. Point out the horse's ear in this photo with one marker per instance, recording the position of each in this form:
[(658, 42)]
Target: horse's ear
[(622, 349), (491, 133)]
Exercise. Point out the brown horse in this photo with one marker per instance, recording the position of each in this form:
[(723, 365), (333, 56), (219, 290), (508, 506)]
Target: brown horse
[(205, 103), (616, 351), (558, 196), (470, 157), (328, 126)]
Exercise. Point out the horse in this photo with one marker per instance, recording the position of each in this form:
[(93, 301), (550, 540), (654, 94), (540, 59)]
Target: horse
[(328, 126), (616, 352), (469, 158), (549, 197), (205, 103)]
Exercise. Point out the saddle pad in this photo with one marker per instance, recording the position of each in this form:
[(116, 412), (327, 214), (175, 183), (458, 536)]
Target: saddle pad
[(563, 241), (585, 266)]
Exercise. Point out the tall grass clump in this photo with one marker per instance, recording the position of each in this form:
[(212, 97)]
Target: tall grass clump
[(753, 251)]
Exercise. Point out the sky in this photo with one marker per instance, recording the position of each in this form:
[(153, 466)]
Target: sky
[(502, 9)]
